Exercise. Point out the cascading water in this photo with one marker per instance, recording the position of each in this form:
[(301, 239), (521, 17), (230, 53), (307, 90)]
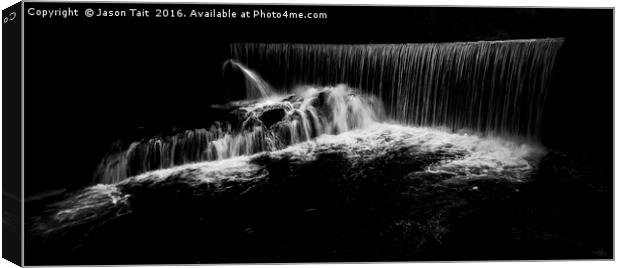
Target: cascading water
[(325, 173), (496, 87), (319, 160), (158, 152), (266, 124), (256, 87)]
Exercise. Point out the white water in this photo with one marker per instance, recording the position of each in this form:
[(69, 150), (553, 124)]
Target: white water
[(482, 156), (495, 88), (305, 115), (479, 157), (254, 83), (332, 116), (492, 87)]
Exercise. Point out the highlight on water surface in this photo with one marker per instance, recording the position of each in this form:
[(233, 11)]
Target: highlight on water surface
[(489, 88), (265, 124), (497, 87)]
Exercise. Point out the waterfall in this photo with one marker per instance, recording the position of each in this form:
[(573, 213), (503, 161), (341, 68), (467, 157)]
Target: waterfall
[(490, 87), (255, 86), (158, 152), (266, 124)]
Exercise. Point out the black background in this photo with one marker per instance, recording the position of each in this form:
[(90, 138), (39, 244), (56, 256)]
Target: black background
[(92, 81)]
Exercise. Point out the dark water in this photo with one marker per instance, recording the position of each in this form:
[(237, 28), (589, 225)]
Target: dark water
[(334, 200), (346, 172)]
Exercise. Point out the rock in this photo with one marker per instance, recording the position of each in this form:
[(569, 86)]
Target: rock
[(272, 116)]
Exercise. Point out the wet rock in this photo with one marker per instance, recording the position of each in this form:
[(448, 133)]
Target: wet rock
[(272, 116)]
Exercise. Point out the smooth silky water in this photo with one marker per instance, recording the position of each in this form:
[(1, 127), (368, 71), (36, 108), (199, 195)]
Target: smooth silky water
[(445, 113)]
